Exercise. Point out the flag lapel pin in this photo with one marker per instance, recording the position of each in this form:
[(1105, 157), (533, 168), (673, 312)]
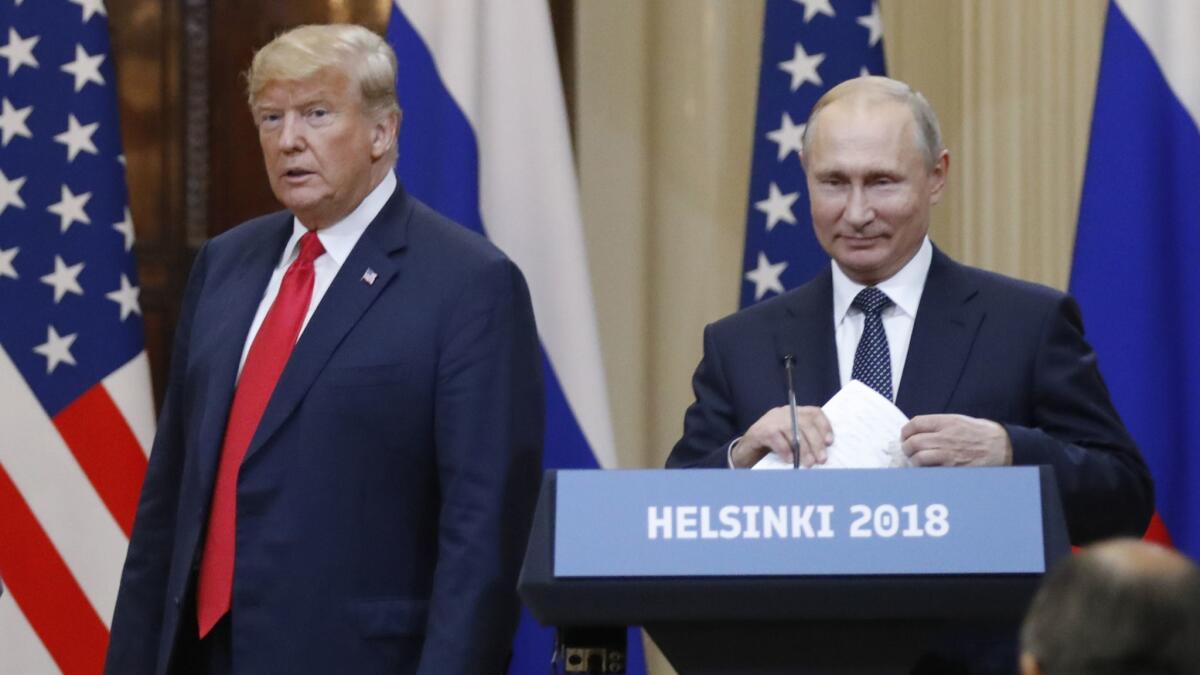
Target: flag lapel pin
[(369, 277)]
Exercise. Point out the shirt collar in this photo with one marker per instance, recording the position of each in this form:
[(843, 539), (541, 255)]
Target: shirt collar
[(339, 239), (904, 287)]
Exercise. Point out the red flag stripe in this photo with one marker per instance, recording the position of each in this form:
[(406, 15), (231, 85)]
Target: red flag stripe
[(44, 589), (107, 451), (1157, 532)]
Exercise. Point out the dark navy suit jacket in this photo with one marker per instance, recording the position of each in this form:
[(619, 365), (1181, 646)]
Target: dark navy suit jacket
[(983, 345), (385, 500)]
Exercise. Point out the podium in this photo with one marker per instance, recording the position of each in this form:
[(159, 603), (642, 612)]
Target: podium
[(811, 593)]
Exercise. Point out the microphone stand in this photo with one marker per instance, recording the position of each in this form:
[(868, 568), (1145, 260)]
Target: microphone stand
[(788, 364)]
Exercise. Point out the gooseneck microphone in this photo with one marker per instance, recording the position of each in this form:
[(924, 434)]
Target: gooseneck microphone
[(789, 363)]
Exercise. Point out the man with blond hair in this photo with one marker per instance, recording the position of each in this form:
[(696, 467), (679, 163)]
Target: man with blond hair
[(349, 449), (992, 371)]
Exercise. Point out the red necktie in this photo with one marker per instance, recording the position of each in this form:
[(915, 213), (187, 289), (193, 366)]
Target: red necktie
[(268, 354)]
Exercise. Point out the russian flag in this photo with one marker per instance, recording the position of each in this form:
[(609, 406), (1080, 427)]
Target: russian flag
[(484, 140), (1136, 270)]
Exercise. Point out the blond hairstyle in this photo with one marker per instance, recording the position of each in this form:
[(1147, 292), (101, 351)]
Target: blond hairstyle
[(929, 132), (301, 52)]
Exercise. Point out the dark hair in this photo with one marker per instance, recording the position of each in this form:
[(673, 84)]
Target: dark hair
[(1123, 608)]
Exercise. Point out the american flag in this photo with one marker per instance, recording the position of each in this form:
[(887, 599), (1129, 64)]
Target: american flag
[(76, 414), (808, 47)]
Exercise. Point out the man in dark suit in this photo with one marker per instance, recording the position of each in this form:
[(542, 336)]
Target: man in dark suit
[(349, 450), (991, 370)]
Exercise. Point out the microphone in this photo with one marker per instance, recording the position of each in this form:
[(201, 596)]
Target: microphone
[(789, 362)]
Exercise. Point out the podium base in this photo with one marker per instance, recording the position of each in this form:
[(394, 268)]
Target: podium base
[(838, 647)]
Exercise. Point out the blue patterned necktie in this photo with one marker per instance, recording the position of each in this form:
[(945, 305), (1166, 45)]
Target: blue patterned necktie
[(872, 360)]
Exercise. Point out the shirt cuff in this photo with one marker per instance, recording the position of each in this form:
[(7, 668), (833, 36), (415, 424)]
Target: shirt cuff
[(729, 452)]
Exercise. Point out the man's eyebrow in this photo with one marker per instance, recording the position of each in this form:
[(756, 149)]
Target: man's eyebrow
[(316, 99), (883, 173), (302, 103), (829, 172)]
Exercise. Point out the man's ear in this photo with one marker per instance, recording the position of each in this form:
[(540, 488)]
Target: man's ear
[(938, 176), (383, 134), (1029, 665)]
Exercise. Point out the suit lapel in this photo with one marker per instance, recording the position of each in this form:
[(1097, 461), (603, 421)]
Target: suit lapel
[(945, 329), (344, 303), (230, 314), (806, 332)]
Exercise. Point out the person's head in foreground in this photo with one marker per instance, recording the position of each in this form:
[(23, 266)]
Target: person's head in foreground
[(1121, 607)]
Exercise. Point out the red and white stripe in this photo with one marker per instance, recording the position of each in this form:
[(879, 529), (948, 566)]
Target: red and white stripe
[(68, 492)]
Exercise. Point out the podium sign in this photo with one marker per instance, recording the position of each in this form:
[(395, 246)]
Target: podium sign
[(702, 523)]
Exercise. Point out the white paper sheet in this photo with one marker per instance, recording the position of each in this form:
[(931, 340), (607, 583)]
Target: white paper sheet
[(866, 432)]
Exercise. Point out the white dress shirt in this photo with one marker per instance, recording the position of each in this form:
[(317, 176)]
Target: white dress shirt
[(338, 239), (904, 288)]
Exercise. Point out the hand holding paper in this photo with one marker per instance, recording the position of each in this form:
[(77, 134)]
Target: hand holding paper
[(866, 432), (955, 440), (772, 434)]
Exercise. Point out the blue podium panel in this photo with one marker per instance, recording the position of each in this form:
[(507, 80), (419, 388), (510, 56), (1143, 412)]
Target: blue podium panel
[(675, 523)]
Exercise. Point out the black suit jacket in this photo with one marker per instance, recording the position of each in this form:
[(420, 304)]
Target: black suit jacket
[(983, 345), (385, 499)]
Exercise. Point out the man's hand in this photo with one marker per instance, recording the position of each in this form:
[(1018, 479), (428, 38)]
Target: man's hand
[(773, 433), (955, 440)]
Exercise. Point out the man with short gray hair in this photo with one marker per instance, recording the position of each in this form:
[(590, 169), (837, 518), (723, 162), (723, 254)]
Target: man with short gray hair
[(349, 451), (991, 371), (1121, 607)]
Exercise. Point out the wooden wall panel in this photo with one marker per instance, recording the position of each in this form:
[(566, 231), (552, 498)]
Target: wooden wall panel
[(146, 46)]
